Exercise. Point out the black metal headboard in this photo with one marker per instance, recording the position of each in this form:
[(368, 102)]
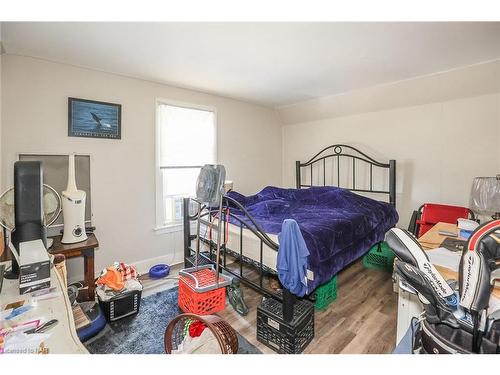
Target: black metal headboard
[(345, 151)]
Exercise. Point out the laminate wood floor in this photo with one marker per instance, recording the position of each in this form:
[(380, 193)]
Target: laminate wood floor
[(361, 320)]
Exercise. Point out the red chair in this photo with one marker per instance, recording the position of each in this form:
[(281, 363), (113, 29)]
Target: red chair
[(429, 214)]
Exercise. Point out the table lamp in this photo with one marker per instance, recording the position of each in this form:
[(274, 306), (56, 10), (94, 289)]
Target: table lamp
[(485, 196)]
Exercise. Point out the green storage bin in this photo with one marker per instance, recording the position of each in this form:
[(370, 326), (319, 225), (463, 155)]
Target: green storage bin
[(380, 257), (326, 294)]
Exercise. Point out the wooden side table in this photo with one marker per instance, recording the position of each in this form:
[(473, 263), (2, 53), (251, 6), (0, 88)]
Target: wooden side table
[(86, 249)]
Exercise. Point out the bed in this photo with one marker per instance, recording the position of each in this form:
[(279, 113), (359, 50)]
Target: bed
[(337, 224)]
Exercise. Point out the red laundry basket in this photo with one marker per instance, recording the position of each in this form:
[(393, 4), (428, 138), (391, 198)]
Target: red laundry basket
[(205, 303)]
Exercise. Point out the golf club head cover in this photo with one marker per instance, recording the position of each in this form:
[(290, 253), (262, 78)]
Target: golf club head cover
[(476, 265), (437, 309), (408, 249)]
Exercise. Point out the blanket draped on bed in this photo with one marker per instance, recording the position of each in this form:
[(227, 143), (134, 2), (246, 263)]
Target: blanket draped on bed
[(291, 263), (338, 226)]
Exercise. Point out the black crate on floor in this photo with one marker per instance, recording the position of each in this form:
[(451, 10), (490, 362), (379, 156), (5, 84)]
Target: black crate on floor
[(285, 337)]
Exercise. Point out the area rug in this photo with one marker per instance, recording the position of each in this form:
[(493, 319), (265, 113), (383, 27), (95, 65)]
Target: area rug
[(143, 333)]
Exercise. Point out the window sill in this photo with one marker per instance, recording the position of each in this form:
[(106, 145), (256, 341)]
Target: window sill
[(170, 228)]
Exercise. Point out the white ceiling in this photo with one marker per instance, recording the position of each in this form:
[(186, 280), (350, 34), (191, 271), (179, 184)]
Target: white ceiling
[(269, 63)]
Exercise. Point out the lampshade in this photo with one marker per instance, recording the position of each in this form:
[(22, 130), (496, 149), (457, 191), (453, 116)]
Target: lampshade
[(485, 195)]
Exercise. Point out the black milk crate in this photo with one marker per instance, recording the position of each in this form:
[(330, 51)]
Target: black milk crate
[(285, 337)]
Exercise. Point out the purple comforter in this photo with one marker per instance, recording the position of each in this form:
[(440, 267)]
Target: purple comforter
[(338, 225)]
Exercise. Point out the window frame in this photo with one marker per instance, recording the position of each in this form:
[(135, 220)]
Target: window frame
[(173, 226)]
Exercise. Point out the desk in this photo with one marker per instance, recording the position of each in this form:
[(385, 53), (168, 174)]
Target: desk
[(432, 239), (86, 249), (63, 338)]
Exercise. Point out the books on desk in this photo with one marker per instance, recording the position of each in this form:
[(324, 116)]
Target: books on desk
[(454, 244)]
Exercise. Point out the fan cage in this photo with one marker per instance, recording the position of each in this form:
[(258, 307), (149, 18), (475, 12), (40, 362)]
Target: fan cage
[(55, 214)]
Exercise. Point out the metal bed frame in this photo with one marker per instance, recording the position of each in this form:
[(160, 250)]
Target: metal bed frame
[(336, 152), (288, 299)]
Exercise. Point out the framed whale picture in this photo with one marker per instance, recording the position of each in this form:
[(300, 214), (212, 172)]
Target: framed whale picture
[(90, 118)]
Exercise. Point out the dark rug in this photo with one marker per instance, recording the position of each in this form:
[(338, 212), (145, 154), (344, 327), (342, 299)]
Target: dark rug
[(143, 333)]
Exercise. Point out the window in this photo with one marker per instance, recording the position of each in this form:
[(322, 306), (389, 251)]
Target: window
[(186, 140)]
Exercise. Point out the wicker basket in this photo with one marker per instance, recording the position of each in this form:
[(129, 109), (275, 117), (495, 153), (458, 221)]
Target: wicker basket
[(223, 332)]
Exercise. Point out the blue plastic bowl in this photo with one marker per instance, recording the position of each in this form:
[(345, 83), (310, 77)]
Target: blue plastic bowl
[(159, 271)]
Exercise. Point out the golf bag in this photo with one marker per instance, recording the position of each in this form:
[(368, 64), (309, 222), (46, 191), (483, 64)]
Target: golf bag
[(442, 339), (449, 326)]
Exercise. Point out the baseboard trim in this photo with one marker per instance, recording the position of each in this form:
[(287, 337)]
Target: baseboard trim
[(144, 265)]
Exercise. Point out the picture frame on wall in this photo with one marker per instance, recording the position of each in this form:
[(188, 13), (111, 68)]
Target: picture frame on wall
[(94, 119)]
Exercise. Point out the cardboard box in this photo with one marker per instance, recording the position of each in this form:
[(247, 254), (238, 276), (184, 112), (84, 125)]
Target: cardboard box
[(34, 266)]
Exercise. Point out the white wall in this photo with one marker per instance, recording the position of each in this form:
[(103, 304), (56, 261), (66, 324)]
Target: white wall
[(439, 146), (34, 117), (474, 80), (1, 57)]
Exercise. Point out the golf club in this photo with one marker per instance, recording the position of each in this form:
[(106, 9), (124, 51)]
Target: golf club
[(437, 309), (407, 249)]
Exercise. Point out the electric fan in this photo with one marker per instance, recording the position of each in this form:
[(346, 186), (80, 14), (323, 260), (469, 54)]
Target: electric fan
[(210, 184), (51, 207)]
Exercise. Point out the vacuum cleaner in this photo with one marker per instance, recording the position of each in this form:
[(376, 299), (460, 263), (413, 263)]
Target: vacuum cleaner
[(455, 321)]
